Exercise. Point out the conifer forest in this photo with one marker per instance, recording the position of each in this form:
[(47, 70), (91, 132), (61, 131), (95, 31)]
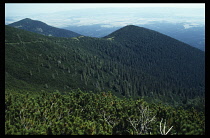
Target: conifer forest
[(134, 81)]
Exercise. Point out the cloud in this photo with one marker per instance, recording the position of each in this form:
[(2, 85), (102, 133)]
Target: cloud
[(187, 26), (116, 17)]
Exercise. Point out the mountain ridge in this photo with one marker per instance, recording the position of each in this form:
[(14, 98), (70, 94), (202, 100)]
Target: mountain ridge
[(136, 67), (101, 86), (129, 30), (193, 36), (42, 28)]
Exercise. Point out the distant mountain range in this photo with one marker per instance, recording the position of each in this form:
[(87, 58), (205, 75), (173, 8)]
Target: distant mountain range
[(95, 30), (42, 28), (194, 35), (132, 61)]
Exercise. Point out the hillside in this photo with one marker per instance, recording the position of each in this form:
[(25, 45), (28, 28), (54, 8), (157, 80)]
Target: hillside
[(42, 28), (135, 81), (194, 36), (162, 56), (132, 61)]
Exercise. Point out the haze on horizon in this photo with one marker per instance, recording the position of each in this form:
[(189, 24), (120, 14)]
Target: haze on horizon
[(106, 14)]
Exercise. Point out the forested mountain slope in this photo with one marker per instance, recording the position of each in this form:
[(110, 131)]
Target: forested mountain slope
[(163, 56), (132, 61), (43, 74), (42, 28)]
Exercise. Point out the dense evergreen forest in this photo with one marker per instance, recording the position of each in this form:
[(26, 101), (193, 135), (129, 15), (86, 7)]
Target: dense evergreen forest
[(145, 73), (86, 113)]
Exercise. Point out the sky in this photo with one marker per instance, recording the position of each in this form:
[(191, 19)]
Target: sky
[(119, 14), (30, 8)]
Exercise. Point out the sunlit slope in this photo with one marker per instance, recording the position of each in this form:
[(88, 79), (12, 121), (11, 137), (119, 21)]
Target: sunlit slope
[(42, 28)]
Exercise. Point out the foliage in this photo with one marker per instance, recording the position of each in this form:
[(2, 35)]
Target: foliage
[(147, 66), (163, 69), (81, 113)]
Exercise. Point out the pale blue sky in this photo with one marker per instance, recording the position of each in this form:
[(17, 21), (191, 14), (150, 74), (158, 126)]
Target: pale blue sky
[(49, 13), (31, 8)]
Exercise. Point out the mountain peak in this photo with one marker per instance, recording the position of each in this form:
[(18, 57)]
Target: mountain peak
[(129, 26), (42, 28), (135, 56), (131, 32), (134, 33), (27, 19)]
